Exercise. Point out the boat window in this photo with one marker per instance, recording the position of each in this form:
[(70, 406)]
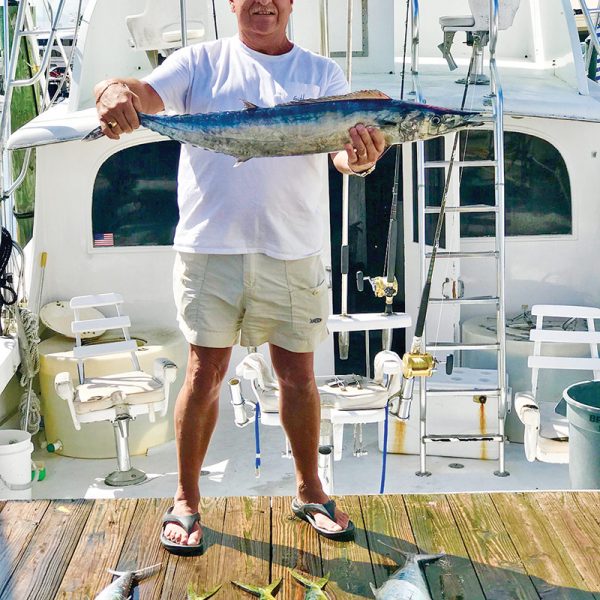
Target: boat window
[(135, 197), (537, 187)]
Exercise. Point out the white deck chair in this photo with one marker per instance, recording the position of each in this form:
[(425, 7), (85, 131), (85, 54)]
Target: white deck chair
[(345, 399), (119, 397), (477, 27), (546, 433), (159, 26)]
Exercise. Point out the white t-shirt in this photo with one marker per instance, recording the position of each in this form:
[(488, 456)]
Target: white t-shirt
[(267, 205)]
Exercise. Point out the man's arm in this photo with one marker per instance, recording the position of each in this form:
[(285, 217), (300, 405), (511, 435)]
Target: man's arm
[(362, 152), (119, 100)]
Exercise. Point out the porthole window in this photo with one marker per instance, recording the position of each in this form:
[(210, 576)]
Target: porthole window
[(537, 187), (134, 201)]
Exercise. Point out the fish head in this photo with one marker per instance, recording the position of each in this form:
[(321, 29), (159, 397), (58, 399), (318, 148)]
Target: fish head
[(441, 121)]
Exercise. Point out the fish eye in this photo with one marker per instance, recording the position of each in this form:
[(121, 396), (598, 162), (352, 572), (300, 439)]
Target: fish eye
[(436, 120)]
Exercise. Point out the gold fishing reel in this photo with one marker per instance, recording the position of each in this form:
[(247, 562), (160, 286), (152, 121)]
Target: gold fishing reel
[(417, 364), (381, 287)]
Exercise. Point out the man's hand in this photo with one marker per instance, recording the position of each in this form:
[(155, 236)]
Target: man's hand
[(118, 102), (366, 146), (117, 108)]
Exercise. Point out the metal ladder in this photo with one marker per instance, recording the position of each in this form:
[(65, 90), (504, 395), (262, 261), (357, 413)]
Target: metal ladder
[(23, 29), (592, 21), (496, 298)]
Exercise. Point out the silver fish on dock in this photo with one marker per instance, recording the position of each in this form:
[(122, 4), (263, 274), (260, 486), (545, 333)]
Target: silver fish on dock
[(193, 595), (122, 588), (307, 126), (263, 593), (314, 588), (407, 583)]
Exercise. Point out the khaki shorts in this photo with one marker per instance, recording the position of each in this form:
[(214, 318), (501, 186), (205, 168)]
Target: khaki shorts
[(251, 298)]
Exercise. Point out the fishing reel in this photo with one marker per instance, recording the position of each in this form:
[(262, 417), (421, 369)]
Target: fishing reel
[(414, 364), (382, 288)]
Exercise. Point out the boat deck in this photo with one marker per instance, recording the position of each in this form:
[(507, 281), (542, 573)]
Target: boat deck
[(498, 545)]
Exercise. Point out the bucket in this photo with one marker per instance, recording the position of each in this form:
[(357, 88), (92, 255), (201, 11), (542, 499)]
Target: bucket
[(583, 413), (15, 464)]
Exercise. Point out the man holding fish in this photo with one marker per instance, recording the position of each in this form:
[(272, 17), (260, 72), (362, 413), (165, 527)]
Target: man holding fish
[(248, 243)]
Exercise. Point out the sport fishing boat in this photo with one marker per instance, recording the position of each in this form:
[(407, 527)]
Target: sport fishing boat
[(511, 301)]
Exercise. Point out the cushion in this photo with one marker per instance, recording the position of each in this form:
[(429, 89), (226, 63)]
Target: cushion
[(96, 393), (347, 397)]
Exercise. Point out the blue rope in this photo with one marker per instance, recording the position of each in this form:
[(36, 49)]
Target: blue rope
[(257, 438), (385, 441)]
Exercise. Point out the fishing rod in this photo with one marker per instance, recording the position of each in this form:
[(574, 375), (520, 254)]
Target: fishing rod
[(388, 288), (417, 362), (344, 336)]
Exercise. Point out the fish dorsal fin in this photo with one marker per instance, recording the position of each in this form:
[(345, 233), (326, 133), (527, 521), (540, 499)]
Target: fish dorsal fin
[(361, 95)]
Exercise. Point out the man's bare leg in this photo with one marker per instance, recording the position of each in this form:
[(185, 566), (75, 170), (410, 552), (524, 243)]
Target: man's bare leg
[(300, 413), (196, 411)]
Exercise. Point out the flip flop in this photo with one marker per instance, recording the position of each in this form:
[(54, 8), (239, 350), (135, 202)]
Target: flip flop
[(303, 511), (187, 523)]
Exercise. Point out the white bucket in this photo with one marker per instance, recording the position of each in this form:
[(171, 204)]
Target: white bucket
[(15, 464)]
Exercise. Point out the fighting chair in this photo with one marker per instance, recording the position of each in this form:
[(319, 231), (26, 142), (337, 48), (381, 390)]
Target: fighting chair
[(345, 399), (477, 28), (546, 431), (118, 397)]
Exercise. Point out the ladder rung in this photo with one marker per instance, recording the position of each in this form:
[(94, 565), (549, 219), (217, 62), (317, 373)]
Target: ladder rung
[(487, 254), (44, 32), (437, 164), (463, 438), (476, 208), (474, 392), (457, 346), (472, 300)]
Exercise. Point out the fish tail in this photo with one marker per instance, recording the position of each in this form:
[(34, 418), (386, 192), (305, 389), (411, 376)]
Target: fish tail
[(427, 558), (193, 595), (95, 134), (320, 583), (259, 591), (147, 572), (419, 558)]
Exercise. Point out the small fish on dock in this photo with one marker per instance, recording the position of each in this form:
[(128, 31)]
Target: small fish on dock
[(311, 126), (263, 593), (193, 595), (407, 583), (122, 588), (314, 588)]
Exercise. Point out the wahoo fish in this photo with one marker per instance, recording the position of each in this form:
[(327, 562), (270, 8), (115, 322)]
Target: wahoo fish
[(314, 589), (307, 126), (263, 593), (193, 595), (407, 583), (122, 588)]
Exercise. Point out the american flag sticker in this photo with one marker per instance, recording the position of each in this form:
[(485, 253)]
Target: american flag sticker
[(103, 240)]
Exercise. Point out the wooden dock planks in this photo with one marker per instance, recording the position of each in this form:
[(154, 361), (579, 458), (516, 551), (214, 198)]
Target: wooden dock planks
[(502, 545)]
